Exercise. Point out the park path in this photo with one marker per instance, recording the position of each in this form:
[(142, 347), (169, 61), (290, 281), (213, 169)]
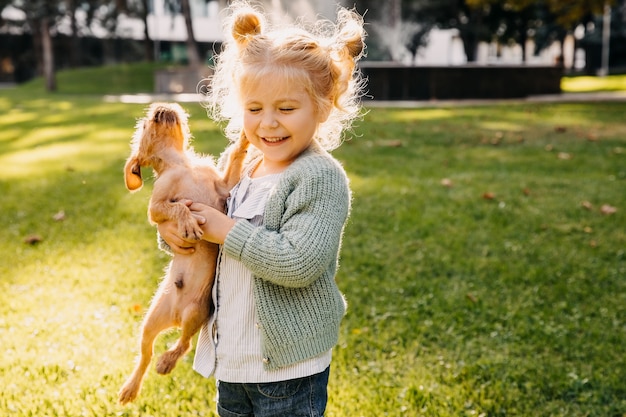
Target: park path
[(619, 96)]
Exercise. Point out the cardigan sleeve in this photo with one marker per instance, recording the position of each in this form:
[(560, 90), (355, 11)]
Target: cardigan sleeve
[(303, 225)]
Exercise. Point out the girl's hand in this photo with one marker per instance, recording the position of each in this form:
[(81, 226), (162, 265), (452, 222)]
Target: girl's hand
[(214, 223), (168, 230)]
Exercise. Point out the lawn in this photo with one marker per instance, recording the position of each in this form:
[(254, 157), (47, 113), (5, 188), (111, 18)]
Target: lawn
[(589, 84), (484, 262)]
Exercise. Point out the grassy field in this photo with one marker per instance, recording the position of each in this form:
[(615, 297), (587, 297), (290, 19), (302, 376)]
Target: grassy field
[(484, 262)]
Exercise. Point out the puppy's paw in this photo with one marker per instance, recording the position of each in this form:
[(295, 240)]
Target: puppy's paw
[(166, 363), (128, 392), (190, 229)]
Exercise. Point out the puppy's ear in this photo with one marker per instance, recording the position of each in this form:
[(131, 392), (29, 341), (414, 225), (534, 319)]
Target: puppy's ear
[(132, 174)]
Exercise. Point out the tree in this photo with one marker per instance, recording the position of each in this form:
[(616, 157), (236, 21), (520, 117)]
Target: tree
[(40, 18), (139, 9), (469, 18), (143, 11), (47, 54), (174, 6), (398, 28), (511, 21), (192, 46)]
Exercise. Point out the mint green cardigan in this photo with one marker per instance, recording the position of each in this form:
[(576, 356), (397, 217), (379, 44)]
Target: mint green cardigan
[(294, 257)]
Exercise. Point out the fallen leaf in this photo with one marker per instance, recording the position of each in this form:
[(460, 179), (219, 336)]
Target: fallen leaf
[(361, 330), (391, 143), (593, 243), (526, 191), (489, 196), (60, 216), (560, 129), (564, 155), (549, 148), (472, 298), (586, 205), (33, 239), (607, 209), (446, 182), (497, 139), (592, 137), (587, 229)]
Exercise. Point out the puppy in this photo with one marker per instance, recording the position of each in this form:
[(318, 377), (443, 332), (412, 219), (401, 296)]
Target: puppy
[(183, 299)]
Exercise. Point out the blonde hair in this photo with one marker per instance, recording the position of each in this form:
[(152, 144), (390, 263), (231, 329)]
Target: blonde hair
[(322, 58)]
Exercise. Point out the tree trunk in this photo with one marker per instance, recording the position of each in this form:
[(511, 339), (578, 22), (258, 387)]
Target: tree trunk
[(74, 41), (470, 35), (470, 45), (37, 45), (523, 40), (193, 55), (48, 55), (148, 43)]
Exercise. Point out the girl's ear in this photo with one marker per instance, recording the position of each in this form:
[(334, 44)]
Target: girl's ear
[(323, 112)]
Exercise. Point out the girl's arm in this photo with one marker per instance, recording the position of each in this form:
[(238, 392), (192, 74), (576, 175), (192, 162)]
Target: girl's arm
[(313, 212)]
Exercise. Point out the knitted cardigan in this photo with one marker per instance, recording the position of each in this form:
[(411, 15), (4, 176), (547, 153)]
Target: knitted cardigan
[(294, 257)]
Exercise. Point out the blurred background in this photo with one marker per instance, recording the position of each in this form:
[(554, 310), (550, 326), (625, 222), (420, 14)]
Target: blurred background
[(38, 38)]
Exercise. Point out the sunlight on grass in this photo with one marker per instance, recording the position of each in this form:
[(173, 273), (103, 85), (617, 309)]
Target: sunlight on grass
[(502, 125), (39, 137), (586, 84), (96, 151), (421, 114), (15, 116)]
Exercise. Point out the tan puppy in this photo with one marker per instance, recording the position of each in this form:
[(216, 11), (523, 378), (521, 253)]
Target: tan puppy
[(183, 299)]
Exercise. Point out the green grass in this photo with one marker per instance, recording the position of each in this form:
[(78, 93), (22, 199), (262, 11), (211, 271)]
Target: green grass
[(459, 305), (113, 79), (588, 84)]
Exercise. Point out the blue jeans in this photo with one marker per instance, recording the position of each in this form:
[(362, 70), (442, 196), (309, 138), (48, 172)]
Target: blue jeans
[(293, 398)]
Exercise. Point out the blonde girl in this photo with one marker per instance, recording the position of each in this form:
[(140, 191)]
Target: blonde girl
[(292, 92)]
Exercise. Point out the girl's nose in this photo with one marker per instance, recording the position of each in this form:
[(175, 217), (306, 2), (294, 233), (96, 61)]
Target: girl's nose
[(269, 121)]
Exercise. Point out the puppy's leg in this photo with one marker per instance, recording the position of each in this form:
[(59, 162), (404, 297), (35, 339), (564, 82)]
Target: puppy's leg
[(193, 318), (162, 209), (157, 320), (196, 275)]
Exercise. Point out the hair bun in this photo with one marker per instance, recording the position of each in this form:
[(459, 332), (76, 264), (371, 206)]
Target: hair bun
[(351, 33), (245, 26), (355, 47)]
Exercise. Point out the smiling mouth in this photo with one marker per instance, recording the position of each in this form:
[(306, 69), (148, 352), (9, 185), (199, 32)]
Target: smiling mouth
[(275, 139)]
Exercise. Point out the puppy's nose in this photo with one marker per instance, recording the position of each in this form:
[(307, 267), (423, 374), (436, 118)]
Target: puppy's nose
[(165, 116)]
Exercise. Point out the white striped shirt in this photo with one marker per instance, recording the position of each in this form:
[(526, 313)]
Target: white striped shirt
[(233, 353)]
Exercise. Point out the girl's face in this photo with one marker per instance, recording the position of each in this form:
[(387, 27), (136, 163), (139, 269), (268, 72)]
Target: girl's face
[(279, 119)]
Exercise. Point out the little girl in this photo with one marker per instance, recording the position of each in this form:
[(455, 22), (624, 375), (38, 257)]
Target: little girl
[(292, 92)]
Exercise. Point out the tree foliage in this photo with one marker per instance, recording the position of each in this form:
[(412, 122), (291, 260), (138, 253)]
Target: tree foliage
[(44, 18), (502, 21)]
